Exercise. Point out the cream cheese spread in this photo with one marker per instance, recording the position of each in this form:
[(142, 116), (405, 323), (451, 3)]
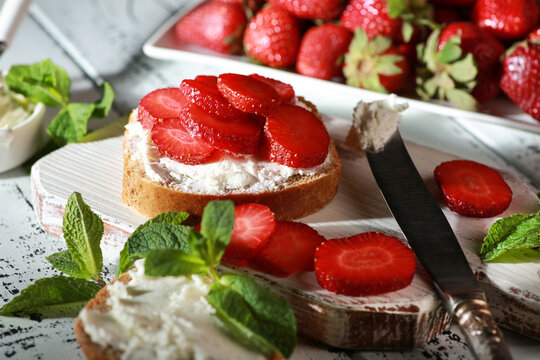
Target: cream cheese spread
[(230, 175), (161, 318), (14, 108), (375, 122)]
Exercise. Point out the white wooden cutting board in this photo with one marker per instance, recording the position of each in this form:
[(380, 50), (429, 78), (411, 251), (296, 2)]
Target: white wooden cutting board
[(401, 319)]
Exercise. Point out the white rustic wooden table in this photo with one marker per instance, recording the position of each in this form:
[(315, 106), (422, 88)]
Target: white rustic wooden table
[(101, 40)]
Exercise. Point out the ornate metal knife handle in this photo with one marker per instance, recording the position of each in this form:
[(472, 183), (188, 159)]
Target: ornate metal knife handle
[(483, 334)]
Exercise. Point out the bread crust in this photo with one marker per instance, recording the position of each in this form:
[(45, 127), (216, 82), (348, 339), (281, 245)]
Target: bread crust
[(91, 350), (300, 196)]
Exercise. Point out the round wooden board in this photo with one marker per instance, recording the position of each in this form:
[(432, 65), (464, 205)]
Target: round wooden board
[(401, 319)]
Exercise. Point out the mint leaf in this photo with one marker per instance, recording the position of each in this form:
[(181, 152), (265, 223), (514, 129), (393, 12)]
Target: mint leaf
[(253, 315), (172, 262), (40, 82), (82, 231), (169, 217), (153, 236), (71, 123), (59, 296), (102, 107), (513, 239), (64, 262), (216, 226)]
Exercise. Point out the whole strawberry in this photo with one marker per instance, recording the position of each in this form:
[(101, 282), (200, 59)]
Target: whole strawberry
[(521, 74), (373, 17), (272, 37), (312, 9), (506, 19), (215, 25), (375, 65), (460, 64), (322, 50)]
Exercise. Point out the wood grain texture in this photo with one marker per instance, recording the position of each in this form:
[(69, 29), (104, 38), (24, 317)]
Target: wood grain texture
[(405, 318)]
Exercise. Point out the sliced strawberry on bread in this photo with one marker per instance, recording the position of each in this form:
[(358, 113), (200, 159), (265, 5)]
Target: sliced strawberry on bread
[(295, 137), (203, 92), (473, 189), (238, 135), (289, 250), (369, 263), (253, 225), (284, 90), (248, 94), (160, 104), (175, 142)]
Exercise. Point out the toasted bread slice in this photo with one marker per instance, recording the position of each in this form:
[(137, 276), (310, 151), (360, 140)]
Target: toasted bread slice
[(94, 351), (300, 196)]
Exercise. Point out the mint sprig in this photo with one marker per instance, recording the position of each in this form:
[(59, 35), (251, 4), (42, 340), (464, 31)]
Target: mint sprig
[(49, 84), (515, 238), (61, 296), (251, 314)]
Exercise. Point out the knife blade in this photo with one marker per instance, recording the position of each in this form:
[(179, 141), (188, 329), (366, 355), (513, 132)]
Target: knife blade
[(432, 239)]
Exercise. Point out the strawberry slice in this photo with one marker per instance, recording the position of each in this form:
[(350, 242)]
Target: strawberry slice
[(248, 94), (290, 249), (160, 104), (203, 92), (253, 225), (369, 263), (473, 189), (239, 135), (284, 90), (295, 137), (173, 140)]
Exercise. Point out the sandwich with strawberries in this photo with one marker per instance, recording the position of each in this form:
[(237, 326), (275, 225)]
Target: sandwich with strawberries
[(244, 138)]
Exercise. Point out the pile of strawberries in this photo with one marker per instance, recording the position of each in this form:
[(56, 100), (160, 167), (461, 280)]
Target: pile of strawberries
[(208, 117), (364, 264), (463, 51)]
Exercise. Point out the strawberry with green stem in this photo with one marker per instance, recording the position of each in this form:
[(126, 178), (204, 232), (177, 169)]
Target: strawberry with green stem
[(375, 65), (459, 64)]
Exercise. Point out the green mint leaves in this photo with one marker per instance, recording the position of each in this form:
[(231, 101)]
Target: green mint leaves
[(83, 231), (162, 231), (48, 83), (515, 238), (60, 295), (251, 314)]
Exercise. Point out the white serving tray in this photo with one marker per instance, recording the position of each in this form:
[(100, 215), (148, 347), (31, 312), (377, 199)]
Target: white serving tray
[(164, 45)]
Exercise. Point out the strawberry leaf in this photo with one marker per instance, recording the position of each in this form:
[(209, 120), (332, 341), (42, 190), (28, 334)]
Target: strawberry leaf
[(396, 8), (386, 65), (463, 70), (450, 52), (407, 30), (462, 99)]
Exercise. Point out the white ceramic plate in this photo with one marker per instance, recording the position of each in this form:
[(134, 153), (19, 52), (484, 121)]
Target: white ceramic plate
[(164, 45)]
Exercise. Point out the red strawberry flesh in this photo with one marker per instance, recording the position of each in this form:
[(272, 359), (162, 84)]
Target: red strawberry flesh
[(160, 104), (203, 91), (284, 90), (289, 250), (248, 94), (173, 140), (295, 137), (364, 264), (473, 189), (239, 135), (253, 225)]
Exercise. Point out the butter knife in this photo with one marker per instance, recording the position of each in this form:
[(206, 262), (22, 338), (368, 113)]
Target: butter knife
[(435, 245)]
